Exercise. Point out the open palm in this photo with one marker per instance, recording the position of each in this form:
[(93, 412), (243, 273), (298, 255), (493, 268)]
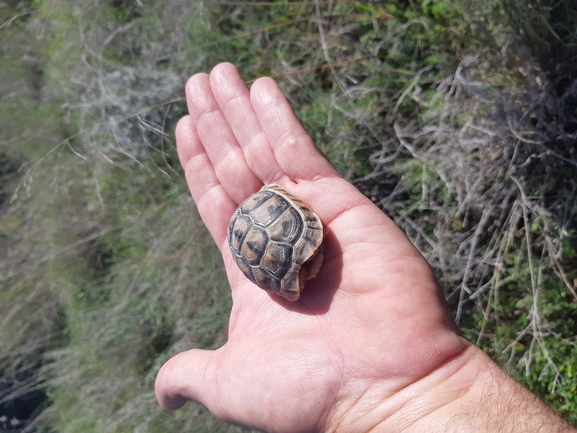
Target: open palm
[(371, 324)]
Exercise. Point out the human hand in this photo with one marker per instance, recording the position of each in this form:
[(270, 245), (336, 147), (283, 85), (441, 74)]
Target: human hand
[(370, 343)]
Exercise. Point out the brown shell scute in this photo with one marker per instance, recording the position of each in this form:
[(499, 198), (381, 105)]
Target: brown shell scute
[(272, 234)]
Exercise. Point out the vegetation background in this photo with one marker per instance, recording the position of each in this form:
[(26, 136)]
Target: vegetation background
[(457, 117)]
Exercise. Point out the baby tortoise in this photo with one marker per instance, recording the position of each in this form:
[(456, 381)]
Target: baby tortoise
[(276, 241)]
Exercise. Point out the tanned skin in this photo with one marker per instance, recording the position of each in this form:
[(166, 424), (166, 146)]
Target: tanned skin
[(370, 346)]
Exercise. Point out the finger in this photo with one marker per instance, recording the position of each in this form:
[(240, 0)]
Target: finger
[(233, 97), (182, 378), (295, 152), (330, 196), (224, 152), (213, 202)]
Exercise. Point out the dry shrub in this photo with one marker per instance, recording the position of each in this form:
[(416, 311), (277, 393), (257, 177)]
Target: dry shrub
[(484, 185), (477, 168)]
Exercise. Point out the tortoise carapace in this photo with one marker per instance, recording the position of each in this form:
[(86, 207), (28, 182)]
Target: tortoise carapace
[(276, 241)]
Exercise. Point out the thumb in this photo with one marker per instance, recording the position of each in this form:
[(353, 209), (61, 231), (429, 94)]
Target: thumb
[(182, 378)]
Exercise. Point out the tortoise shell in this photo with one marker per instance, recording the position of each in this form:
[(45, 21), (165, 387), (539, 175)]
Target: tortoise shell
[(276, 241)]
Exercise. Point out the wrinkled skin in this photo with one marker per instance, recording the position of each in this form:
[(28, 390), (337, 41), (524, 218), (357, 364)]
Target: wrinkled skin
[(370, 326)]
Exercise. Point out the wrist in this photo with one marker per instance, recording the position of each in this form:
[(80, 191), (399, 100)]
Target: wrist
[(468, 392), (496, 402)]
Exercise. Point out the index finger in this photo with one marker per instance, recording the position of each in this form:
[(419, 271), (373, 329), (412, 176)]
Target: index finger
[(212, 200)]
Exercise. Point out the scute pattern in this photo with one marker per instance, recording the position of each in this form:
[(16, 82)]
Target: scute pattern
[(288, 228), (271, 235)]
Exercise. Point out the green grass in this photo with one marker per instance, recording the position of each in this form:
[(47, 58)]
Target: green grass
[(107, 269)]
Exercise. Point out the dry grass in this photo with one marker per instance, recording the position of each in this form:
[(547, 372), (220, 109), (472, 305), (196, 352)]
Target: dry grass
[(485, 189), (107, 270)]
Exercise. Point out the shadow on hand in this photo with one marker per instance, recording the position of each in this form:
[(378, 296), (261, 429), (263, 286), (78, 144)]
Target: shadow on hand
[(318, 293)]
